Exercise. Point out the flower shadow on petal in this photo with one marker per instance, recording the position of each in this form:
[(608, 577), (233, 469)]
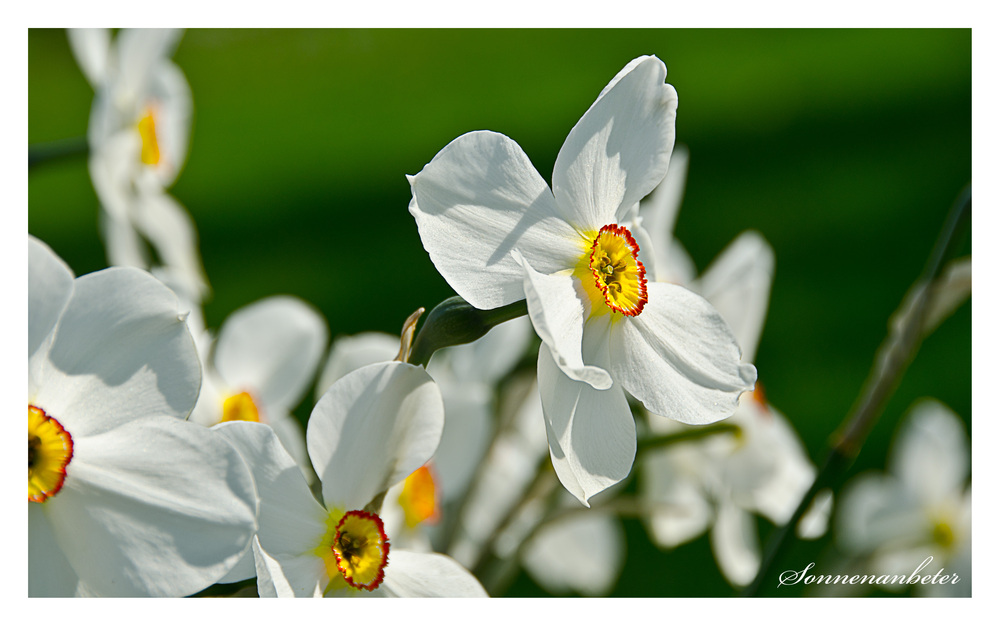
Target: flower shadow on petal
[(123, 327)]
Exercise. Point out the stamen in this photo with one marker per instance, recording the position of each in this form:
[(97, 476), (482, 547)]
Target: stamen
[(240, 408), (50, 449), (361, 549), (617, 272)]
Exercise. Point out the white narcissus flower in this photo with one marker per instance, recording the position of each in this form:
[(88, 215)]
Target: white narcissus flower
[(261, 365), (497, 234), (722, 481), (922, 508), (125, 498), (577, 549), (371, 429), (138, 133)]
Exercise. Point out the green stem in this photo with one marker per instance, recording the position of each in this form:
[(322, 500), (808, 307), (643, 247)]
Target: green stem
[(906, 331), (649, 444), (49, 151)]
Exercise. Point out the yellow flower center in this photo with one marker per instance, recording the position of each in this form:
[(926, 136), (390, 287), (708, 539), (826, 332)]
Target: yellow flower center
[(418, 498), (361, 549), (943, 534), (611, 272), (240, 408), (50, 449), (150, 154)]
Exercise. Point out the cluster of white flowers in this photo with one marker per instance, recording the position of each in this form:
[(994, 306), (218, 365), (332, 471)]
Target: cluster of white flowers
[(163, 457)]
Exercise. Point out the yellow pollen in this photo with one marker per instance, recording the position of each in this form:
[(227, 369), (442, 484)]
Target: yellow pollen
[(240, 408), (50, 449), (150, 154), (418, 498), (361, 549), (611, 272)]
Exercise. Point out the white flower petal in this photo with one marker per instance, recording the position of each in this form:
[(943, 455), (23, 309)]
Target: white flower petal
[(356, 351), (300, 576), (619, 150), (475, 202), (291, 521), (583, 553), (557, 310), (272, 347), (680, 509), (113, 165), (738, 285), (466, 437), (90, 47), (214, 391), (680, 266), (931, 454), (659, 213), (245, 568), (778, 497), (735, 544), (121, 351), (49, 573), (156, 506), (817, 517), (172, 95), (373, 428), (291, 436), (140, 53), (877, 511), (418, 575), (679, 358), (50, 283), (591, 433), (171, 231), (122, 242), (766, 468), (509, 468)]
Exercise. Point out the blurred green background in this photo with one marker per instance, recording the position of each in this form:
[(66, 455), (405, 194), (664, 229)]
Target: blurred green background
[(844, 148)]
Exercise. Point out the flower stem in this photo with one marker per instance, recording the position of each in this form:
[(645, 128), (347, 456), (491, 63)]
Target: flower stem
[(648, 444), (40, 153), (907, 328), (454, 322)]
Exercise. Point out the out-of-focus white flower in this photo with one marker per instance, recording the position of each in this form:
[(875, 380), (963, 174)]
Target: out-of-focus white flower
[(139, 92), (371, 429), (260, 367), (497, 234), (921, 508), (722, 481), (576, 549), (138, 133), (125, 497), (352, 352)]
